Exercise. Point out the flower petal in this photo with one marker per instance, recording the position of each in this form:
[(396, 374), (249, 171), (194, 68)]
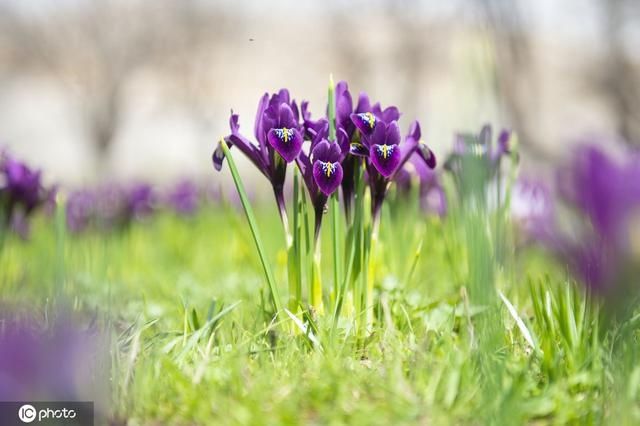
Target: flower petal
[(218, 157), (385, 158), (393, 134), (364, 104), (365, 122), (426, 155), (326, 151), (358, 149), (344, 104), (286, 117), (259, 128), (286, 141), (328, 176)]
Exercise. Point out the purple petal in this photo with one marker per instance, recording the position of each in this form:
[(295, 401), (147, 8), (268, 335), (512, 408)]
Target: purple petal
[(426, 155), (286, 117), (327, 175), (287, 141), (388, 115), (246, 146), (344, 104), (393, 134), (304, 110), (283, 96), (503, 142), (414, 131), (326, 151), (385, 158), (343, 140), (365, 122), (259, 128), (358, 149), (363, 103), (296, 113), (218, 157)]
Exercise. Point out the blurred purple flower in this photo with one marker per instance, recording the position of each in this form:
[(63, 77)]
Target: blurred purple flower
[(141, 201), (604, 194), (80, 210), (21, 193), (531, 203), (184, 197), (60, 363), (108, 207)]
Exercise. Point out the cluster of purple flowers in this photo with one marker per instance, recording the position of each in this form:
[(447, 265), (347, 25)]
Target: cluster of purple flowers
[(115, 206), (601, 194), (21, 194), (367, 139)]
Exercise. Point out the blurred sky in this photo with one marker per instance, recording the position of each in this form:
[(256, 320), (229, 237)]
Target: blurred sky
[(437, 61)]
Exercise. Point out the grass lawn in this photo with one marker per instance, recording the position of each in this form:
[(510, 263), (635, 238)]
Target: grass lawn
[(192, 338)]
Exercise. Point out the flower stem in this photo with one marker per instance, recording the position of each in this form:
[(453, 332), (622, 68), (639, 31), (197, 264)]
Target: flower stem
[(335, 207), (294, 250), (275, 297), (316, 279)]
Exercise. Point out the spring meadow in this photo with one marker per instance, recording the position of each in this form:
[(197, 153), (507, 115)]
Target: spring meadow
[(379, 242)]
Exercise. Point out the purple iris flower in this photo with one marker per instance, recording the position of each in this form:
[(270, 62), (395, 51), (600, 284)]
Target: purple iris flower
[(603, 249), (351, 123), (21, 193), (279, 136), (321, 170), (327, 170), (387, 153), (184, 197)]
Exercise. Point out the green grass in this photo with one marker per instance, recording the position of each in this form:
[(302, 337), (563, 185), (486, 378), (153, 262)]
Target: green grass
[(185, 303)]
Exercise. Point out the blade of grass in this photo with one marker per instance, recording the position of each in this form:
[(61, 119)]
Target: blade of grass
[(335, 207), (244, 199)]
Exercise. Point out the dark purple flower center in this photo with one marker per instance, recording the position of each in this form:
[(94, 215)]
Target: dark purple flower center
[(284, 134), (385, 151), (329, 169), (368, 119)]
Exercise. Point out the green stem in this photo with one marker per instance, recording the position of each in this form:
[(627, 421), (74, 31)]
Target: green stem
[(253, 226), (371, 252), (294, 249), (316, 280), (335, 207)]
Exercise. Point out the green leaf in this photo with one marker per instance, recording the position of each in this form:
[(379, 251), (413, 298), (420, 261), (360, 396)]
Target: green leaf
[(273, 288)]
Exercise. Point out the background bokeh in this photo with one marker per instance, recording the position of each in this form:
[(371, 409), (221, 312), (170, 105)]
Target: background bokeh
[(101, 89)]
